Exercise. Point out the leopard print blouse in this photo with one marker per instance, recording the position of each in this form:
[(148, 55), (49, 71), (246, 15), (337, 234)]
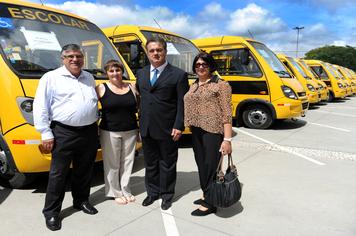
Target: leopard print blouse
[(208, 106)]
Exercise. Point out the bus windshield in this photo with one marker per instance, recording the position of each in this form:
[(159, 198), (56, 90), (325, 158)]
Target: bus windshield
[(271, 59), (31, 40), (330, 70), (308, 69), (300, 70), (180, 51)]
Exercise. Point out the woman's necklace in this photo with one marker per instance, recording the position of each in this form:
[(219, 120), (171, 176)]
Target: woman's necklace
[(200, 83), (118, 88)]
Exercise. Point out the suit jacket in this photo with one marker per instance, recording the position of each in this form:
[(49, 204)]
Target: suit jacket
[(161, 106)]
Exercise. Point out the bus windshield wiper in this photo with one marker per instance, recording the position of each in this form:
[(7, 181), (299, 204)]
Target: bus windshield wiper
[(95, 71), (35, 70)]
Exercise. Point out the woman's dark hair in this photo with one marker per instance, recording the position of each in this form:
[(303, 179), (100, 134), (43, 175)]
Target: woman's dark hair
[(208, 59), (114, 63)]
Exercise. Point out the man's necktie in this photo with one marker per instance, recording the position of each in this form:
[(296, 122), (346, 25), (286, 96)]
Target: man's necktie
[(154, 77)]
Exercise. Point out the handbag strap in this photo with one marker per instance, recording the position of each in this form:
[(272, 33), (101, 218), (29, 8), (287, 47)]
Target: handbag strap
[(219, 172)]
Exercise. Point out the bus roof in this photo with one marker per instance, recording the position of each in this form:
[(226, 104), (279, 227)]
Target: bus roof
[(43, 7), (221, 40), (126, 29)]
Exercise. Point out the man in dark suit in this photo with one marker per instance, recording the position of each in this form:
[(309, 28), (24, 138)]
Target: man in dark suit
[(162, 88)]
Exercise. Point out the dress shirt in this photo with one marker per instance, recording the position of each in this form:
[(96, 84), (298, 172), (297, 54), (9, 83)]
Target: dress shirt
[(62, 97), (160, 69)]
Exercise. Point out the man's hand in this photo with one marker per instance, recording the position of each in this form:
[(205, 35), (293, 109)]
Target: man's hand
[(47, 145), (176, 133)]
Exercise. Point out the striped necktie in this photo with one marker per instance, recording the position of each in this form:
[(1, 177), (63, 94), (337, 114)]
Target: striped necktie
[(154, 77)]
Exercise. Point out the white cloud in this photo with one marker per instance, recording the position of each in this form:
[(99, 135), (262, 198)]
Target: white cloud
[(255, 19), (339, 43), (212, 20), (105, 16), (213, 10)]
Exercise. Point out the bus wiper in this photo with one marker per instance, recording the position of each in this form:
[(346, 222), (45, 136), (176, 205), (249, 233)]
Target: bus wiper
[(95, 71), (282, 73), (36, 70)]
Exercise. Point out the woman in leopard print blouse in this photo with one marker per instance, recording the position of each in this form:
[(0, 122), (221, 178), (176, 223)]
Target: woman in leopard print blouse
[(207, 111)]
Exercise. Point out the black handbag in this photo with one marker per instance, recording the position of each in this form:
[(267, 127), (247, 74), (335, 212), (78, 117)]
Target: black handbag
[(225, 190)]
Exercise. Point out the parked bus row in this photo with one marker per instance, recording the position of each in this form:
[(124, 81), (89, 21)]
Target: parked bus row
[(265, 86)]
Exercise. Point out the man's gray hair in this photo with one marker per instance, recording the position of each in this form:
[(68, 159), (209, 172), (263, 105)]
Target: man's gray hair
[(71, 47)]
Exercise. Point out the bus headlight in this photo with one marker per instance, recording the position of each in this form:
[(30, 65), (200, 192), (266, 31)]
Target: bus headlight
[(310, 87), (26, 107), (288, 92)]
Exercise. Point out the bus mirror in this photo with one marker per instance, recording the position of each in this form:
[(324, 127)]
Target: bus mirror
[(245, 56)]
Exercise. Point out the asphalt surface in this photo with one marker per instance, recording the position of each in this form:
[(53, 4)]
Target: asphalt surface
[(298, 177)]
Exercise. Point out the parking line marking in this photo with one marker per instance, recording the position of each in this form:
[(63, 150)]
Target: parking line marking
[(288, 150), (341, 107), (328, 126), (336, 113), (168, 221)]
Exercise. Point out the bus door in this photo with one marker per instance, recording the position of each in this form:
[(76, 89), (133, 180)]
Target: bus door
[(132, 51), (245, 77)]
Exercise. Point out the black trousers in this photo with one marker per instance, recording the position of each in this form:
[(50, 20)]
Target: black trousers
[(161, 167), (76, 146), (206, 148)]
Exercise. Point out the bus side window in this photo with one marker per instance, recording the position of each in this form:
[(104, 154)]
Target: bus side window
[(320, 72), (133, 54)]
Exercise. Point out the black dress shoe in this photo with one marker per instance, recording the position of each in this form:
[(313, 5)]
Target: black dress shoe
[(87, 208), (199, 212), (166, 204), (53, 223), (198, 201), (149, 200)]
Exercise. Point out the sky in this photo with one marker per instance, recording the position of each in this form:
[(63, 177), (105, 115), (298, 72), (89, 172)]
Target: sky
[(325, 22)]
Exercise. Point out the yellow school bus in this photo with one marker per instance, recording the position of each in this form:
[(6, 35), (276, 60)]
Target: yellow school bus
[(347, 73), (130, 41), (335, 85), (262, 89), (31, 38), (310, 86), (323, 88), (346, 79)]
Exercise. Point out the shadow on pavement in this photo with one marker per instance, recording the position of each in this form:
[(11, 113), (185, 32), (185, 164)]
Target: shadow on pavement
[(314, 107), (322, 104), (288, 124), (230, 211), (4, 190), (338, 101)]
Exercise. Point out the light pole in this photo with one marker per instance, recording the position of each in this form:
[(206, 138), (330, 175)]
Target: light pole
[(297, 29)]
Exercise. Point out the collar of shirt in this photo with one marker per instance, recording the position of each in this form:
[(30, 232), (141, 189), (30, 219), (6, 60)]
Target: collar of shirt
[(65, 72), (160, 68)]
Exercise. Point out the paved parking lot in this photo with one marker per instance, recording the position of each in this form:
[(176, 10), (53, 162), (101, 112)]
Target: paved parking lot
[(299, 178)]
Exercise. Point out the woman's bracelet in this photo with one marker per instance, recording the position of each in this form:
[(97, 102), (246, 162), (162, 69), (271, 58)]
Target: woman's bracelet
[(228, 139)]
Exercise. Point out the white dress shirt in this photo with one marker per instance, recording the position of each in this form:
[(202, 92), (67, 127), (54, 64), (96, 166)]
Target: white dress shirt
[(62, 97), (160, 69)]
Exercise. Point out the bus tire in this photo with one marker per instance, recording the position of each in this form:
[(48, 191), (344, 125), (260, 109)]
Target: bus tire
[(331, 97), (20, 180), (257, 117)]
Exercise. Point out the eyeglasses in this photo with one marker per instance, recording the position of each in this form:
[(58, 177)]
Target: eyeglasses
[(204, 65), (71, 57)]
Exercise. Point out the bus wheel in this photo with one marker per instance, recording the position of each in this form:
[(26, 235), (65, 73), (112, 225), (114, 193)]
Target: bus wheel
[(14, 180), (4, 166), (20, 180), (257, 117), (331, 97)]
